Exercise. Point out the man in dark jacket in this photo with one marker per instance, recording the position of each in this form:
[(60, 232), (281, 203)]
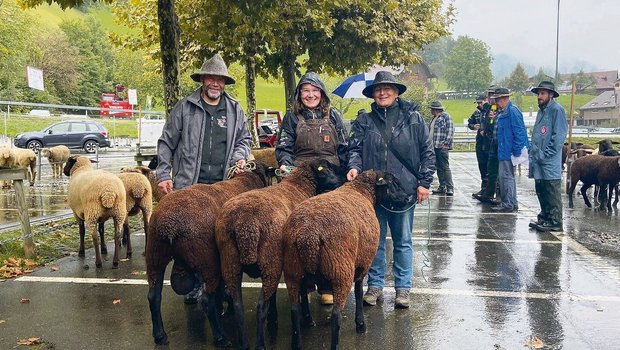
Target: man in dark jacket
[(204, 135), (548, 137), (482, 155), (393, 137)]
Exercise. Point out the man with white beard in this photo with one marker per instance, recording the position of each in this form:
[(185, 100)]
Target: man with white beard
[(205, 134)]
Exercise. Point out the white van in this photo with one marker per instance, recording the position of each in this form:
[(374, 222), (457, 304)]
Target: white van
[(40, 113)]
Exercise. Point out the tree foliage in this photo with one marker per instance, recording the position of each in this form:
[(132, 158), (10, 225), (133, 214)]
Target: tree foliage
[(468, 66), (518, 81), (436, 53), (541, 76)]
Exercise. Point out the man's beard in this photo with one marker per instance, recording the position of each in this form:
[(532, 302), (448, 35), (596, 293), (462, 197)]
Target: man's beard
[(543, 103), (212, 95)]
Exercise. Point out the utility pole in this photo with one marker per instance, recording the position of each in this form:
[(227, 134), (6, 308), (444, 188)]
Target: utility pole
[(557, 43)]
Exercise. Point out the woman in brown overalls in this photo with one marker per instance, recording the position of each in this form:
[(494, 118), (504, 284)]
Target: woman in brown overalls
[(313, 130)]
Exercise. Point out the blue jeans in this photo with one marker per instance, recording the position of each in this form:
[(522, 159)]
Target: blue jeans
[(401, 227)]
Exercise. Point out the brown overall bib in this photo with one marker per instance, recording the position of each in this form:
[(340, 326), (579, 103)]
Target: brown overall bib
[(316, 138)]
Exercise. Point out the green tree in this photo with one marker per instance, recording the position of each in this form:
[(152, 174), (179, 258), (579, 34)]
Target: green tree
[(583, 81), (518, 81), (541, 76), (60, 63), (468, 66), (436, 53)]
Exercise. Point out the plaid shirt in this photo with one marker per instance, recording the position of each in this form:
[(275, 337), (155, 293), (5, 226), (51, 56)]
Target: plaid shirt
[(443, 131)]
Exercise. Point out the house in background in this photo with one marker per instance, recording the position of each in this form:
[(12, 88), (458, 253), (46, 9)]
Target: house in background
[(420, 73), (602, 81), (603, 110)]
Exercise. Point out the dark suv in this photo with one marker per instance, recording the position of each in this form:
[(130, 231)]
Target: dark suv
[(86, 134)]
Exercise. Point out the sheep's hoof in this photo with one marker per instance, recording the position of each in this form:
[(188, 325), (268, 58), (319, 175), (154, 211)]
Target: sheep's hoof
[(222, 342), (128, 255), (104, 251), (98, 265), (115, 265), (360, 328), (162, 339), (81, 254)]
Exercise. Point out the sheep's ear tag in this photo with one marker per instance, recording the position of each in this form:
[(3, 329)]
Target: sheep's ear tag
[(320, 168), (381, 181)]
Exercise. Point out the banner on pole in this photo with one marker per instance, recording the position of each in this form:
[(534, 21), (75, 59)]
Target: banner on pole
[(35, 78), (132, 96)]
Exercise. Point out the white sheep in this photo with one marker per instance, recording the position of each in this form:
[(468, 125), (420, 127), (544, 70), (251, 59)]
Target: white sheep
[(16, 158), (56, 156), (151, 176), (95, 196), (139, 198)]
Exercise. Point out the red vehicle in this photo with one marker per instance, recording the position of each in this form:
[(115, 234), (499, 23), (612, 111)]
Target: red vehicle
[(112, 101), (267, 127)]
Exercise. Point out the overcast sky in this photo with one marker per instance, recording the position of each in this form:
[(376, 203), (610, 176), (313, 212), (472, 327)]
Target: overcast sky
[(526, 30)]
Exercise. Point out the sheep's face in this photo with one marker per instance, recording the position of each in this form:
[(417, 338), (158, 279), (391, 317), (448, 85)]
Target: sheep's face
[(390, 193), (69, 165), (45, 152), (328, 176)]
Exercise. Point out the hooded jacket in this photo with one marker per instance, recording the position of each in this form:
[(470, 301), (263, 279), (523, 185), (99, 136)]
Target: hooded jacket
[(409, 137), (548, 137), (179, 147), (288, 133)]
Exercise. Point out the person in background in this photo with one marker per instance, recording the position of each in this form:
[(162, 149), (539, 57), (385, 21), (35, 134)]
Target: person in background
[(511, 140), (548, 136), (442, 132), (482, 153), (392, 137), (204, 135), (489, 139), (312, 130)]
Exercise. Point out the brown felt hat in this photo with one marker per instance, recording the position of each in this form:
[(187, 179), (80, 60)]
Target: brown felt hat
[(214, 66)]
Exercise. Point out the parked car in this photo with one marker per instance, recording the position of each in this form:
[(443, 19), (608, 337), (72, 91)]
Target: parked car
[(86, 134)]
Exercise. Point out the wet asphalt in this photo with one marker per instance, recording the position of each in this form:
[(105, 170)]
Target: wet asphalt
[(482, 280)]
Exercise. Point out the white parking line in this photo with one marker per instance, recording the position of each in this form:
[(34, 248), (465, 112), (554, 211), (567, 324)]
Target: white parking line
[(387, 290)]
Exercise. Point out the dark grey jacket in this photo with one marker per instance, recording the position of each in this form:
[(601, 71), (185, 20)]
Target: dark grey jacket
[(409, 137), (179, 147)]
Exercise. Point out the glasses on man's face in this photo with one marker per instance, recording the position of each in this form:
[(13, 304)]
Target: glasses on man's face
[(310, 91)]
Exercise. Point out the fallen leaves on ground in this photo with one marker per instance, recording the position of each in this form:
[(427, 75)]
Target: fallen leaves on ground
[(54, 268), (535, 343), (138, 273), (24, 301), (116, 301), (29, 341), (14, 267), (2, 321)]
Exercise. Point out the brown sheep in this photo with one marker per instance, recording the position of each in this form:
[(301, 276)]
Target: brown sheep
[(182, 229), (266, 155), (594, 170), (56, 156), (95, 196), (248, 236), (336, 246)]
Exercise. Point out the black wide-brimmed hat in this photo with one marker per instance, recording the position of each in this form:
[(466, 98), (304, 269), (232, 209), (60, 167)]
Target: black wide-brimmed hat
[(214, 66), (383, 77), (481, 98), (501, 92), (436, 105), (546, 85)]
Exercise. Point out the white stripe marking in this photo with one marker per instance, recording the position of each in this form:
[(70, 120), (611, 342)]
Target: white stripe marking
[(388, 290)]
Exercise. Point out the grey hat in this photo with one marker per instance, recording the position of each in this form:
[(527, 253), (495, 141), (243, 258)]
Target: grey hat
[(546, 85), (214, 66), (383, 77), (481, 98), (501, 92), (436, 105)]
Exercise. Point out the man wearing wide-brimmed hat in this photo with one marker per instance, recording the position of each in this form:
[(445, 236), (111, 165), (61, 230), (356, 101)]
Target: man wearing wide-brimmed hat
[(545, 168), (511, 141), (392, 137), (204, 135), (475, 123), (441, 131)]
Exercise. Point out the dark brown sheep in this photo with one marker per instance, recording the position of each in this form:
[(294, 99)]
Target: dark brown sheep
[(248, 235), (594, 170), (336, 246), (182, 229)]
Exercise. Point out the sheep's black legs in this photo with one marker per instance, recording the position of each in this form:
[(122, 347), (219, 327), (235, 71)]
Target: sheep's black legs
[(307, 320), (127, 239), (82, 233), (335, 325), (154, 296), (100, 229), (584, 194), (360, 325), (239, 320), (266, 309), (296, 326), (209, 303)]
